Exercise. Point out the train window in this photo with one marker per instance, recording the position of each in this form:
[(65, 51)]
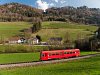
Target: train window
[(53, 54), (42, 55), (57, 53), (50, 54), (68, 52), (73, 52), (65, 52), (60, 53)]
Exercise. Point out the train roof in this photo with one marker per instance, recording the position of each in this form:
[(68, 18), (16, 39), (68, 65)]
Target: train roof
[(60, 50)]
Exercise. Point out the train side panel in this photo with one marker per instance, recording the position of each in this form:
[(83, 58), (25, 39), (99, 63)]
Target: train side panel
[(59, 54)]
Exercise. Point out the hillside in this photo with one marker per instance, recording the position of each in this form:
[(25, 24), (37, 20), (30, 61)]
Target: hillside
[(20, 12), (59, 29), (9, 29), (81, 14), (55, 29)]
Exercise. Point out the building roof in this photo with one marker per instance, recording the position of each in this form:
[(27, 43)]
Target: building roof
[(14, 39)]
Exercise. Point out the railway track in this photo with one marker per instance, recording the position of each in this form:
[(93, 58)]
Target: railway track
[(25, 64)]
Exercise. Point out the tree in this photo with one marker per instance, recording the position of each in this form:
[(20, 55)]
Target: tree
[(39, 38), (36, 26), (98, 33), (67, 41)]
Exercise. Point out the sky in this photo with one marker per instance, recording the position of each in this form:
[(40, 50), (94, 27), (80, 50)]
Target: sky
[(44, 4)]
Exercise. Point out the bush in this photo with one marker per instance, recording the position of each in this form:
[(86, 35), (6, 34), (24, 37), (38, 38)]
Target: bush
[(21, 48), (82, 44)]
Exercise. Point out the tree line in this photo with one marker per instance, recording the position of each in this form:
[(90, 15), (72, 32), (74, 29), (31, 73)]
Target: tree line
[(81, 14), (19, 12)]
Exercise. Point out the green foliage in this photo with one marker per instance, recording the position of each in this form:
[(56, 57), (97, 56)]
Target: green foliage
[(98, 33), (36, 26), (21, 48), (39, 38), (83, 44)]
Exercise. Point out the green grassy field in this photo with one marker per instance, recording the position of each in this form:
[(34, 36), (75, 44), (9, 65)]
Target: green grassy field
[(19, 57), (59, 29), (55, 29), (9, 29), (89, 66), (23, 57), (58, 25)]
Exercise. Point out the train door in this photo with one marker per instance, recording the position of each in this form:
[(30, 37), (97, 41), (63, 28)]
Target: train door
[(46, 56)]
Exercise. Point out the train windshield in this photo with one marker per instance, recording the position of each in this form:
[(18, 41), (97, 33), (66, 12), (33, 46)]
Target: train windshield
[(42, 55)]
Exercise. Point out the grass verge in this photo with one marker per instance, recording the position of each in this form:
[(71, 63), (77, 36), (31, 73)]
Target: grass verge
[(25, 57), (89, 66)]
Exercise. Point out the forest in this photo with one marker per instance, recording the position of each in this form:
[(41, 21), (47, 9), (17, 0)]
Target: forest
[(12, 12)]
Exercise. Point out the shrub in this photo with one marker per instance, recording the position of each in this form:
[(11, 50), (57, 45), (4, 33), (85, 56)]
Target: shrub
[(21, 48)]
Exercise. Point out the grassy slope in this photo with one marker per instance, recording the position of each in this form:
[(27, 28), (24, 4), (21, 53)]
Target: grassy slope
[(8, 29), (59, 29), (67, 25), (22, 57), (77, 67)]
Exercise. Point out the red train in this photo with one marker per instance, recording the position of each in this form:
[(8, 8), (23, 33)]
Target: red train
[(59, 54)]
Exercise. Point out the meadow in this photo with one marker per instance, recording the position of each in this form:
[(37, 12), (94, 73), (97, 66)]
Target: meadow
[(9, 29), (57, 24), (26, 57), (60, 29), (89, 66), (55, 29), (19, 57)]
